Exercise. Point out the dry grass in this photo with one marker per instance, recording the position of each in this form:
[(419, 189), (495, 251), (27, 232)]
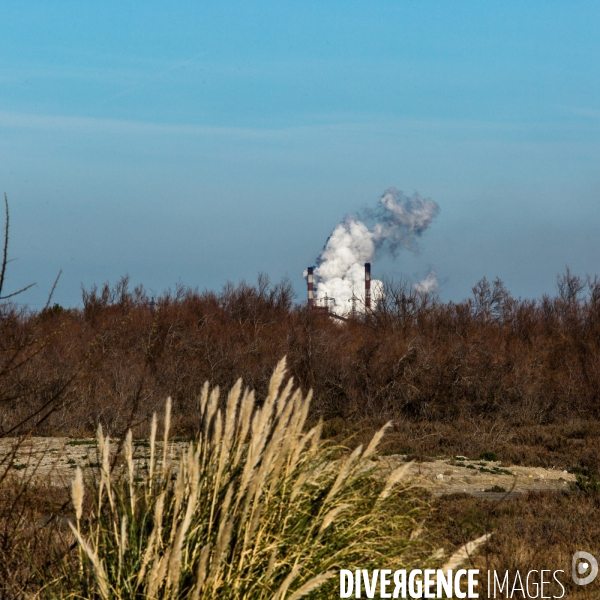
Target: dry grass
[(537, 531), (573, 445), (256, 507)]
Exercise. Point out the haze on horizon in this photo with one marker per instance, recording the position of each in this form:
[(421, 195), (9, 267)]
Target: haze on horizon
[(200, 144)]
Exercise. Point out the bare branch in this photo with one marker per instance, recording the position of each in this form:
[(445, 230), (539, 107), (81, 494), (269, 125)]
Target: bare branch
[(18, 292), (5, 260), (5, 253), (53, 288)]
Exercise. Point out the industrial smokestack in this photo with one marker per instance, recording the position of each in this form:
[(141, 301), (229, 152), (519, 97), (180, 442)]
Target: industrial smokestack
[(311, 297), (367, 286), (395, 223)]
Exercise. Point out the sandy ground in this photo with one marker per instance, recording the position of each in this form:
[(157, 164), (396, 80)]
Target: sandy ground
[(54, 460), (481, 478)]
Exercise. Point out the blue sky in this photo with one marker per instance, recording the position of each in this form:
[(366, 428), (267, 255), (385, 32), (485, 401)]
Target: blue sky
[(204, 142)]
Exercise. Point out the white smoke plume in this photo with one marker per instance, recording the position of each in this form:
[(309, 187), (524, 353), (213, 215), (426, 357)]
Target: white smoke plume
[(340, 274), (429, 285)]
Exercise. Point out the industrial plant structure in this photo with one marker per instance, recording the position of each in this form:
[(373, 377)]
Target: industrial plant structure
[(324, 308)]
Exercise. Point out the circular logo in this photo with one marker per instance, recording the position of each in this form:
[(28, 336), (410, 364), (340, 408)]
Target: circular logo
[(582, 563)]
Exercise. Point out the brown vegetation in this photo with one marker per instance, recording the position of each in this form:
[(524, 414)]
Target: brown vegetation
[(536, 531), (493, 373)]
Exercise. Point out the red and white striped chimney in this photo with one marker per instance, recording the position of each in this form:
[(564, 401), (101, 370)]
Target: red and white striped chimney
[(311, 297), (368, 286)]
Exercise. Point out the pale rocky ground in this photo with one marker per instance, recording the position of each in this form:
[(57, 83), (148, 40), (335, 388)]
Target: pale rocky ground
[(54, 460), (451, 476)]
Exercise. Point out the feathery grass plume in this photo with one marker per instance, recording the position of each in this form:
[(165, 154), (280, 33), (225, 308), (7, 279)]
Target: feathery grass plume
[(203, 398), (153, 428), (281, 400), (154, 539), (464, 552), (98, 569), (166, 434), (100, 440), (245, 415), (462, 555), (312, 584), (395, 476), (104, 452), (255, 508), (77, 492), (376, 439), (329, 518), (285, 586), (201, 574), (343, 473), (122, 542), (130, 473)]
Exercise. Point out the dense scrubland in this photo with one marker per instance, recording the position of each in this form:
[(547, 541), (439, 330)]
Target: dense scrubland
[(492, 374), (520, 378)]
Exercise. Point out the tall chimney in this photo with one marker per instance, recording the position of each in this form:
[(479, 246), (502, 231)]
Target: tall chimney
[(311, 297), (367, 286)]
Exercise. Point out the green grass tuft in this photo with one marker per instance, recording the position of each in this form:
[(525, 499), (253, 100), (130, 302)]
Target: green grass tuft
[(255, 508)]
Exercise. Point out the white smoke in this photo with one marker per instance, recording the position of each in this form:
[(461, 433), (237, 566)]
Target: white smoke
[(429, 285), (340, 275), (401, 218)]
